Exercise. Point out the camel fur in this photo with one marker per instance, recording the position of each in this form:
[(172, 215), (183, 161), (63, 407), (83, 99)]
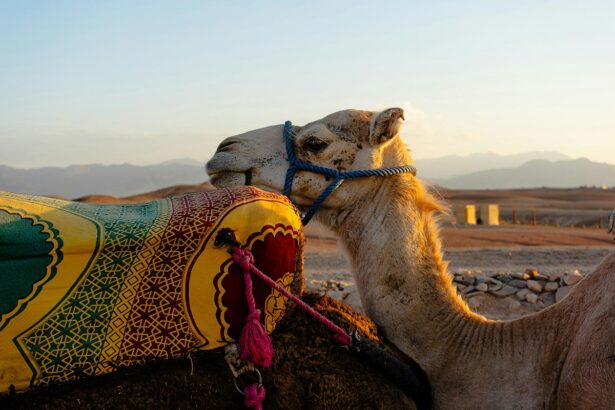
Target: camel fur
[(560, 358)]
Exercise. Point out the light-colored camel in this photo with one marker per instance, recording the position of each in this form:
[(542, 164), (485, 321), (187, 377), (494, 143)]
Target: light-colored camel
[(562, 357)]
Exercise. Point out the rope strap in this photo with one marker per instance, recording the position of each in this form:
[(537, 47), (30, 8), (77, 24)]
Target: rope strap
[(244, 258), (338, 176)]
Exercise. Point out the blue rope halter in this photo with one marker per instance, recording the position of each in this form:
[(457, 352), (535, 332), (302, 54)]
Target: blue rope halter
[(338, 177)]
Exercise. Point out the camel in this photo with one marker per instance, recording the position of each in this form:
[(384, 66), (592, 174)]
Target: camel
[(562, 357)]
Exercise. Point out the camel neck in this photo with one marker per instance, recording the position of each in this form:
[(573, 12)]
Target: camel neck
[(404, 287), (395, 252)]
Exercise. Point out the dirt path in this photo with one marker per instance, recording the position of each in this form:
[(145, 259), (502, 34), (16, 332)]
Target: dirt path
[(546, 259), (523, 235)]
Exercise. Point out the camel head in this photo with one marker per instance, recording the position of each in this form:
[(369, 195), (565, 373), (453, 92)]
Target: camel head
[(345, 140)]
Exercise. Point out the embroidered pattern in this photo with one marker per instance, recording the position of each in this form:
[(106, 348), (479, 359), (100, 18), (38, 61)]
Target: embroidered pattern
[(127, 302)]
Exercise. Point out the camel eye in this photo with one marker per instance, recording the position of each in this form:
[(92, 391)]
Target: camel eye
[(314, 144)]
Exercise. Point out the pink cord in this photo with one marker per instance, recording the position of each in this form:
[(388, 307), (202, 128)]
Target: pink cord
[(254, 343), (244, 258), (253, 396)]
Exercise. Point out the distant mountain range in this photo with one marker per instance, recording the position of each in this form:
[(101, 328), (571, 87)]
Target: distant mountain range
[(117, 180), (538, 173), (435, 169), (477, 171)]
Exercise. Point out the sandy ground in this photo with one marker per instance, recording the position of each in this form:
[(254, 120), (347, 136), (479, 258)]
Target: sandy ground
[(477, 250)]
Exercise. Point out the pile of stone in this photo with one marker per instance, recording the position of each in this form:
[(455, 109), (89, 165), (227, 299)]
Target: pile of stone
[(328, 285), (530, 286)]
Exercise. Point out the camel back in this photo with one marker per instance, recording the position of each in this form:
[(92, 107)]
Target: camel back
[(87, 288)]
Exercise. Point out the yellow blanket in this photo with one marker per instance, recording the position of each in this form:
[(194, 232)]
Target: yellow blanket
[(87, 288)]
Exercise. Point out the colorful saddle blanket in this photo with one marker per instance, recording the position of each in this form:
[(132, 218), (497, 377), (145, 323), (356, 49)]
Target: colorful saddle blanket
[(87, 288)]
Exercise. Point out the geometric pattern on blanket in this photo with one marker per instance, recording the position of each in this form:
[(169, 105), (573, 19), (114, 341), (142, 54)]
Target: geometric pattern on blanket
[(125, 283)]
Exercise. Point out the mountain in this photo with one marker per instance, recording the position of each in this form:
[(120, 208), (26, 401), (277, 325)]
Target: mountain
[(148, 196), (184, 161), (538, 173), (436, 169), (116, 180)]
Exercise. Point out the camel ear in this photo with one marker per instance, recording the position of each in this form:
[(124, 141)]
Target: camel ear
[(385, 125)]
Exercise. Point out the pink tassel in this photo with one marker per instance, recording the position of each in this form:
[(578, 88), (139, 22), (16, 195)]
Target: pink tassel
[(254, 343), (254, 396)]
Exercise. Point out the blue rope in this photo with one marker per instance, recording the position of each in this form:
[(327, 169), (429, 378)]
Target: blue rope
[(338, 176)]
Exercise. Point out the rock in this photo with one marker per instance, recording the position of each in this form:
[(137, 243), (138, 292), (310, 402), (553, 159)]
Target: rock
[(548, 298), (532, 298), (562, 293), (519, 275), (483, 287), (518, 283), (514, 304), (532, 273), (469, 289), (493, 281), (555, 277), (534, 286), (522, 293), (464, 281), (480, 280), (551, 286), (460, 287), (504, 278), (572, 278), (475, 303), (506, 290), (495, 287), (542, 277)]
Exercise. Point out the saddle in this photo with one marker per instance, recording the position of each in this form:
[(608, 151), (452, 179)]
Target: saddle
[(86, 288)]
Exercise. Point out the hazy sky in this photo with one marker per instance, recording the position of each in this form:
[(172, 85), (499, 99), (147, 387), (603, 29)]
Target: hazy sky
[(146, 81)]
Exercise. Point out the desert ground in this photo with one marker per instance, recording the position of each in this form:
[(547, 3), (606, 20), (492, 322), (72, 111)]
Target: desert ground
[(560, 235)]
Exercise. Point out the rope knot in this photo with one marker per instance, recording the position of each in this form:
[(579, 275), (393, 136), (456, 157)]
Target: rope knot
[(243, 258), (256, 315)]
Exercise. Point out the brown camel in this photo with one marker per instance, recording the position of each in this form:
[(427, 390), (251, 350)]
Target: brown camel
[(562, 357)]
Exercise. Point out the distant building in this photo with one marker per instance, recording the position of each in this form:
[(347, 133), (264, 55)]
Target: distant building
[(467, 215), (490, 214), (487, 214)]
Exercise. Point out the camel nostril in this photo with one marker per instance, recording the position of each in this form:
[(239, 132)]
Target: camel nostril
[(225, 144)]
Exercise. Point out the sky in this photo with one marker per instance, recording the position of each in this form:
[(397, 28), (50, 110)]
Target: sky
[(148, 81)]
